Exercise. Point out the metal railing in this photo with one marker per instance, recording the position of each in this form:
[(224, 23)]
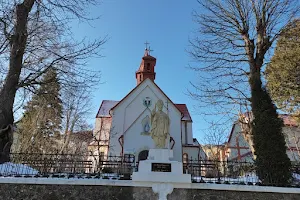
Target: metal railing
[(122, 167), (231, 172), (68, 166)]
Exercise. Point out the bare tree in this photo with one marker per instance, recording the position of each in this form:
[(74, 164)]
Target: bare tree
[(101, 144), (214, 142), (214, 146), (76, 107), (233, 44), (35, 36), (235, 39)]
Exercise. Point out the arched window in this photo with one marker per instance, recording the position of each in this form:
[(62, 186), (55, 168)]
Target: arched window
[(143, 155), (185, 158), (148, 66)]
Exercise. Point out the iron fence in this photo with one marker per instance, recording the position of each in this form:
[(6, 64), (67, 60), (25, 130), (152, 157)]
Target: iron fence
[(68, 166), (214, 171), (122, 167), (231, 172)]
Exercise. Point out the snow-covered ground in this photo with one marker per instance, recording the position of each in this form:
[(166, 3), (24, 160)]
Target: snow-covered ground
[(240, 179), (9, 169), (13, 169), (296, 177), (250, 178)]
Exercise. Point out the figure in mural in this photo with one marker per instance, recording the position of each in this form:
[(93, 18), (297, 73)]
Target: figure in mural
[(146, 126), (160, 124)]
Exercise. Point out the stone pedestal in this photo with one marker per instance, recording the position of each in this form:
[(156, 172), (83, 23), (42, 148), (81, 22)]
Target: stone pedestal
[(159, 168)]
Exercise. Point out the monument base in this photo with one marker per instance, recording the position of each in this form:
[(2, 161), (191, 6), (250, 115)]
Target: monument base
[(159, 168)]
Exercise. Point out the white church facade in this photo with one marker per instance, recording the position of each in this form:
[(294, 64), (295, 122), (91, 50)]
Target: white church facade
[(123, 127)]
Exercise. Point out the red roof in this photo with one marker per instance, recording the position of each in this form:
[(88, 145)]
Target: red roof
[(288, 120), (184, 110)]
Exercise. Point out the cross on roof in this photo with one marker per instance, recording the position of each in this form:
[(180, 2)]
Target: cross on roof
[(146, 43), (149, 50)]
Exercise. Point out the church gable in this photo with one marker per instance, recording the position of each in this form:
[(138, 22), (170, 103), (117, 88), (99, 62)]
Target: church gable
[(237, 146), (139, 103), (158, 93)]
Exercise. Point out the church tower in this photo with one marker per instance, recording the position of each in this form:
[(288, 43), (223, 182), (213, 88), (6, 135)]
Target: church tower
[(146, 69)]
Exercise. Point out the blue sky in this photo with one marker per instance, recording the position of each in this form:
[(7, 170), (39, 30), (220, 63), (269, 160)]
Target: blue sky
[(167, 25)]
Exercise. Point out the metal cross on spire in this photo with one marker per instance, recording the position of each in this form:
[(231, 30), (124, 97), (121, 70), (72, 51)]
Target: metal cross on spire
[(149, 50), (146, 43)]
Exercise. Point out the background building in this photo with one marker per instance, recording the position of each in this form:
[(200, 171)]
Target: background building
[(239, 142)]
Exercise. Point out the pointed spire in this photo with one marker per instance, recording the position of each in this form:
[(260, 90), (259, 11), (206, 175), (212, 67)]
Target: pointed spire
[(146, 69)]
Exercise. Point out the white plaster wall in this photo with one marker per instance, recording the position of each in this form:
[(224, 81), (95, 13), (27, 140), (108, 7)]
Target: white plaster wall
[(116, 132), (190, 132), (292, 138), (293, 155), (134, 141), (232, 143), (127, 117), (97, 126), (101, 135), (191, 151), (187, 132), (242, 143), (183, 132), (290, 133), (102, 128)]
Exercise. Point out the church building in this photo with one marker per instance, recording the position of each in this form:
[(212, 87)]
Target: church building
[(240, 143), (123, 127)]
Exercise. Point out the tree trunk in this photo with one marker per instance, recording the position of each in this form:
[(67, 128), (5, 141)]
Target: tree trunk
[(8, 91)]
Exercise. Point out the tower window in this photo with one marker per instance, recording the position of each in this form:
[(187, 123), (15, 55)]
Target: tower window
[(148, 66)]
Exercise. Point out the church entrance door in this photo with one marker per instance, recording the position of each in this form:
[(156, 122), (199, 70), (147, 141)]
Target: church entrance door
[(143, 155)]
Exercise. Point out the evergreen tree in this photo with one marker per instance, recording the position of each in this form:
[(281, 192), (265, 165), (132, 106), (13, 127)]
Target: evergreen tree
[(283, 73), (272, 162), (42, 117)]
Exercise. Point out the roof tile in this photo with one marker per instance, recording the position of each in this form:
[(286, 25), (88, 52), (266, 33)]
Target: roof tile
[(184, 110)]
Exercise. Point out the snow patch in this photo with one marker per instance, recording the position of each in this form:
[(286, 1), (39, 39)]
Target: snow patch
[(9, 169), (296, 177)]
